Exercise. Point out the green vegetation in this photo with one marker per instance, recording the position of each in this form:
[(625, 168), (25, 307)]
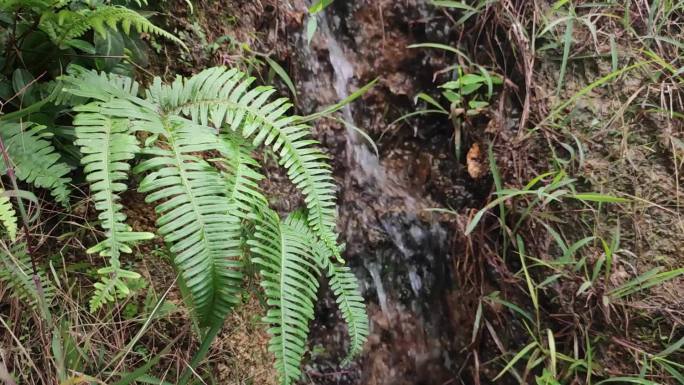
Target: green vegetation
[(582, 280), (192, 145), (166, 219)]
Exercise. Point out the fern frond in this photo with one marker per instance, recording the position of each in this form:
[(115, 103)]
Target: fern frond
[(35, 160), (345, 286), (67, 24), (112, 285), (107, 144), (35, 5), (8, 217), (91, 84), (195, 217), (241, 176), (16, 273), (223, 97), (289, 278)]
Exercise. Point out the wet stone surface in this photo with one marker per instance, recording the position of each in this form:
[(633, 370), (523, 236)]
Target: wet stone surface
[(401, 253)]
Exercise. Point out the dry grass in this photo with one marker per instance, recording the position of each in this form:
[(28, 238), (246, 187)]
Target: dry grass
[(615, 133)]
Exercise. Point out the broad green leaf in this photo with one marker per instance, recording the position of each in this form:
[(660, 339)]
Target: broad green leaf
[(319, 5), (311, 26), (24, 86)]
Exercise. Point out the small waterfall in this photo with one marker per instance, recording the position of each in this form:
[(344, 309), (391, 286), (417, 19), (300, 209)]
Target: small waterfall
[(374, 270), (404, 268), (357, 150)]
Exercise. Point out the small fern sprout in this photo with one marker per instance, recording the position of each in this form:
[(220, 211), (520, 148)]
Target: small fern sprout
[(200, 173)]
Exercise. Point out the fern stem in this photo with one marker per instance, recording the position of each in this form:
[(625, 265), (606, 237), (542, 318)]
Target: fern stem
[(201, 352), (35, 107)]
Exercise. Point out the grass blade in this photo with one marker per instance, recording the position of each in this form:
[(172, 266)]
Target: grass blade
[(282, 74), (515, 359)]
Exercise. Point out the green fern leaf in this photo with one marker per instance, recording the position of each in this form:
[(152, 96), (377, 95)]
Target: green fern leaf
[(224, 97), (16, 273), (195, 217), (90, 84), (66, 25), (35, 5), (8, 216), (35, 160), (289, 278), (345, 286), (241, 176), (107, 144)]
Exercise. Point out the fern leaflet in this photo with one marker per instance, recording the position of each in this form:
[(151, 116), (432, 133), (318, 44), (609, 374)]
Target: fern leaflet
[(345, 286), (241, 176), (15, 271), (8, 216), (35, 160), (289, 278), (65, 25), (107, 145), (195, 217)]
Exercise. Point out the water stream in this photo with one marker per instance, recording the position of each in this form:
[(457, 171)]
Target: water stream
[(400, 255), (367, 165)]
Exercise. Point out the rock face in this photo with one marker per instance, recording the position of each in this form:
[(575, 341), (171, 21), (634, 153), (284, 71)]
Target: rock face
[(403, 254)]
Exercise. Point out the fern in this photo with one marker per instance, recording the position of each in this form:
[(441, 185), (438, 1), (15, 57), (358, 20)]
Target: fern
[(107, 145), (195, 217), (8, 217), (241, 176), (16, 273), (85, 84), (223, 97), (35, 159), (289, 280), (345, 287), (199, 171), (65, 25)]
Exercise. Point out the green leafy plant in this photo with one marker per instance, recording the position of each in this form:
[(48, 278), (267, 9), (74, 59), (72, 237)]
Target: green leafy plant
[(192, 143), (27, 283), (463, 93), (41, 38), (312, 23), (199, 171), (34, 159), (8, 217)]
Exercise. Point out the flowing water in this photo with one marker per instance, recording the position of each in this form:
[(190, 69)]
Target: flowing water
[(401, 256)]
